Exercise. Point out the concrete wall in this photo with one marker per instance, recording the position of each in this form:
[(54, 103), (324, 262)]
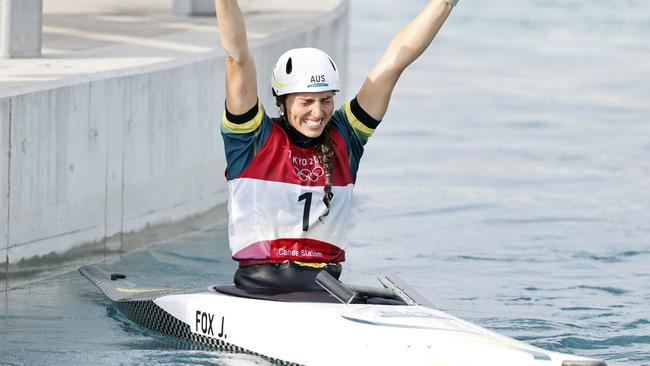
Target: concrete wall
[(20, 28), (4, 183), (82, 165)]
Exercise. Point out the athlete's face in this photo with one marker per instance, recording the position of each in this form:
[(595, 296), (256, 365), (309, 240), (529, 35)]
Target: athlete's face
[(309, 113)]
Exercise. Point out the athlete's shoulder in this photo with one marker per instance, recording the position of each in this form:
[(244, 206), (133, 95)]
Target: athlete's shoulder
[(352, 118), (244, 136), (245, 123)]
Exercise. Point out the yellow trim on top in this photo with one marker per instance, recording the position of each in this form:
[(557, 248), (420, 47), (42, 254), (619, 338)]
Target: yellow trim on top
[(247, 127), (357, 125), (312, 265)]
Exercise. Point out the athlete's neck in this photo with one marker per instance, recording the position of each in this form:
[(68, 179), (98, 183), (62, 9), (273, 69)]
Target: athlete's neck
[(296, 137)]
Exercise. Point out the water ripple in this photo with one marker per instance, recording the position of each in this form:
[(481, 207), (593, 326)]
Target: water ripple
[(542, 220), (617, 341), (494, 259), (613, 258), (636, 324), (530, 124), (610, 290), (634, 253), (582, 308), (438, 211), (193, 258)]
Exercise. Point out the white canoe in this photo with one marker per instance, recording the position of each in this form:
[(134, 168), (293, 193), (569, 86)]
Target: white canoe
[(313, 328)]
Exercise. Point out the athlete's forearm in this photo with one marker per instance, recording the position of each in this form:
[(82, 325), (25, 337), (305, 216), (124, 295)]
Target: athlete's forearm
[(414, 39), (232, 29), (406, 46), (241, 80)]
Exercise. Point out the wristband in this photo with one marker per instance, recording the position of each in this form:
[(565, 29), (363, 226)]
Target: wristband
[(452, 2)]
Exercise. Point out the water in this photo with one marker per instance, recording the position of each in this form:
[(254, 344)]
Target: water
[(509, 183)]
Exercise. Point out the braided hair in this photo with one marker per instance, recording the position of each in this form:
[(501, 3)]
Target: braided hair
[(325, 151), (326, 156)]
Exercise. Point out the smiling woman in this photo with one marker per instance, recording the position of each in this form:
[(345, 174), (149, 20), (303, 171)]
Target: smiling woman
[(291, 178), (309, 113)]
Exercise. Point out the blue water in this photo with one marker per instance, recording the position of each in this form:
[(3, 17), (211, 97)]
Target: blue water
[(509, 183)]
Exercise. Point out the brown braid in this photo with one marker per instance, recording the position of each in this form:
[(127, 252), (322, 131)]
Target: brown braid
[(326, 157)]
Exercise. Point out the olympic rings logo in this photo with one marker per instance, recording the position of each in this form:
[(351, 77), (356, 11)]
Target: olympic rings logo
[(306, 174)]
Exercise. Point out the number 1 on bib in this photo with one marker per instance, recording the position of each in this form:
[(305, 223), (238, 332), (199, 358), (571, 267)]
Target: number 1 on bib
[(305, 212)]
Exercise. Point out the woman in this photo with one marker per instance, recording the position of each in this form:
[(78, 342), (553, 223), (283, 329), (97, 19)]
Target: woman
[(290, 179)]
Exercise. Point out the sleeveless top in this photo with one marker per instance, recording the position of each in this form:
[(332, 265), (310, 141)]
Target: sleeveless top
[(275, 188)]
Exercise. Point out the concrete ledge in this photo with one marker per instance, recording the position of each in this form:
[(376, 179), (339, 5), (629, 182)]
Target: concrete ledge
[(99, 144)]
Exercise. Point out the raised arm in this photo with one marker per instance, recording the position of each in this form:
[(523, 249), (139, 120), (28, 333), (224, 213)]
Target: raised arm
[(405, 47), (241, 79)]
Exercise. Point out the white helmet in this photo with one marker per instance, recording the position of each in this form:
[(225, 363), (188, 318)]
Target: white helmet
[(304, 70)]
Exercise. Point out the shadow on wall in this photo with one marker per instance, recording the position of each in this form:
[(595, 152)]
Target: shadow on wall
[(43, 266)]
